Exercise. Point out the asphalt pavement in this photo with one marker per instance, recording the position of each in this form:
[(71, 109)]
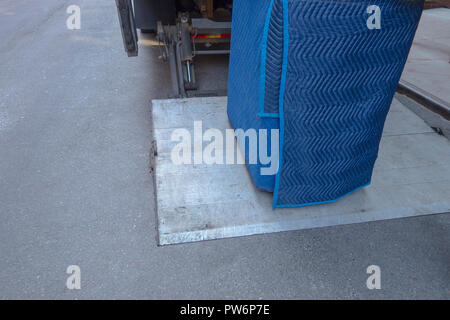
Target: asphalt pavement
[(75, 186)]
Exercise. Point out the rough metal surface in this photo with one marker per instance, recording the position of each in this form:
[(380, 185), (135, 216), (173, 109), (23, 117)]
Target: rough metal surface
[(205, 202)]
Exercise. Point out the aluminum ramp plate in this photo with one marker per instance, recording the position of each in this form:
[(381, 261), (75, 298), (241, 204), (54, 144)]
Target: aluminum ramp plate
[(205, 202)]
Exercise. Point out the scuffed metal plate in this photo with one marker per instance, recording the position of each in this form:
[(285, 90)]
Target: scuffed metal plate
[(206, 202)]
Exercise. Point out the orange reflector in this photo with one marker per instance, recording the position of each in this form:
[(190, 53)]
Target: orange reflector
[(212, 36)]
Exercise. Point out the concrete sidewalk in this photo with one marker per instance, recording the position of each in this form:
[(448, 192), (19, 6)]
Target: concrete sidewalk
[(428, 65)]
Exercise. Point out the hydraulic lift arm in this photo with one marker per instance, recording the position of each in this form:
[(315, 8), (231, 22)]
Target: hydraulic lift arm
[(184, 29)]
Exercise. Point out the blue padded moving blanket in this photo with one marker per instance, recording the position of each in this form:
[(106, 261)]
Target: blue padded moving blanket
[(323, 72)]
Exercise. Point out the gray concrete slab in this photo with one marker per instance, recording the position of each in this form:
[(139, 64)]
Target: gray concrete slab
[(75, 186), (428, 65), (197, 202)]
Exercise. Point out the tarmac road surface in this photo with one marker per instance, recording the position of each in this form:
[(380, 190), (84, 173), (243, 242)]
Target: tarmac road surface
[(75, 135)]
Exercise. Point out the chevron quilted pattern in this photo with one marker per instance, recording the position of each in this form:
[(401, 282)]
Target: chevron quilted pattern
[(330, 79), (273, 59)]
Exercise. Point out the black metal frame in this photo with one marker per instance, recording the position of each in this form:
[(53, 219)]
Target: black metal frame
[(128, 27)]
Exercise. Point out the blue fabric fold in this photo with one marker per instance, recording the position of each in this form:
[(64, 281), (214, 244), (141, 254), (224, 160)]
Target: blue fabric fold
[(320, 74)]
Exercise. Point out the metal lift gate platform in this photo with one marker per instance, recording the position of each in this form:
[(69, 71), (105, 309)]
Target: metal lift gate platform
[(206, 202)]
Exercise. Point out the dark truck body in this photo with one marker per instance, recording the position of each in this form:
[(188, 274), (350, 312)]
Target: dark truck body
[(148, 13)]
